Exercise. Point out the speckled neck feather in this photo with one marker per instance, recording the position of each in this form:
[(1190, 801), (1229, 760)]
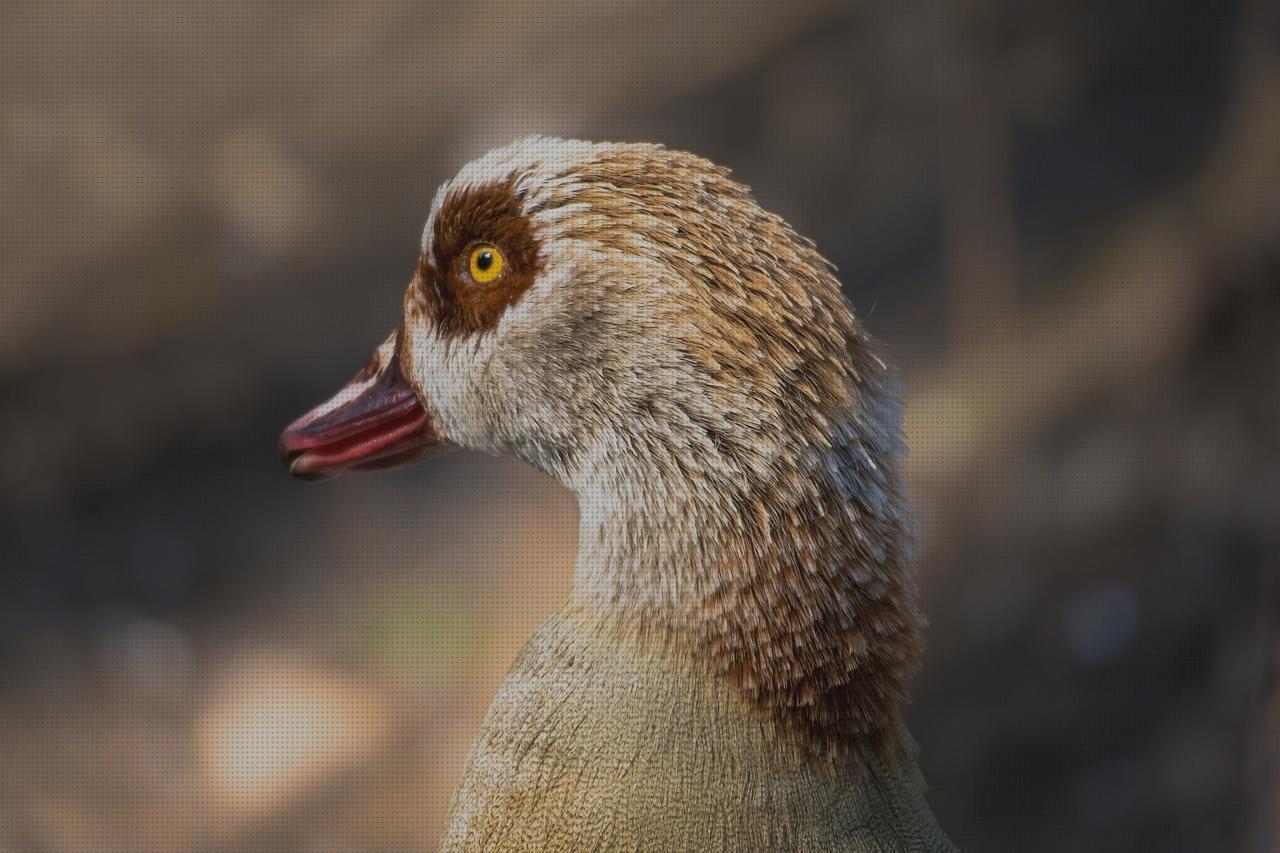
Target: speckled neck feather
[(758, 516), (687, 364)]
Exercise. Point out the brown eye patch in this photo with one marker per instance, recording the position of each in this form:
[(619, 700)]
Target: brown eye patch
[(490, 214)]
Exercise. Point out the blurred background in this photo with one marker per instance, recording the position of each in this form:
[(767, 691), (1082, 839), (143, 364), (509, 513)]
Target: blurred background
[(1061, 217)]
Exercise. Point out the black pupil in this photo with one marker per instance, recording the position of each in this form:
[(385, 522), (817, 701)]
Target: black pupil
[(484, 260)]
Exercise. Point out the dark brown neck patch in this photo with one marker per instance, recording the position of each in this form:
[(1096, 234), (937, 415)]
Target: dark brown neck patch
[(470, 215)]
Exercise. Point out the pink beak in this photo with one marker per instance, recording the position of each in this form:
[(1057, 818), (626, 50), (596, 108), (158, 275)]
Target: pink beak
[(375, 421)]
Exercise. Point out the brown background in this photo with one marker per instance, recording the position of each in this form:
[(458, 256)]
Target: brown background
[(1061, 217)]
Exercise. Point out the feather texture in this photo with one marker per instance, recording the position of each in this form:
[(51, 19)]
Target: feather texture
[(743, 623)]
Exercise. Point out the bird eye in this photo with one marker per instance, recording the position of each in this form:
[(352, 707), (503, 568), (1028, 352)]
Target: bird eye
[(486, 263)]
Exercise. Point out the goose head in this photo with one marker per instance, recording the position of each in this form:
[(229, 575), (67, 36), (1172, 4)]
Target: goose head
[(600, 306), (629, 320)]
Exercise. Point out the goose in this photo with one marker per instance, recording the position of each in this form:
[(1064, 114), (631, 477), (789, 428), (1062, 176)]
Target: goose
[(728, 671)]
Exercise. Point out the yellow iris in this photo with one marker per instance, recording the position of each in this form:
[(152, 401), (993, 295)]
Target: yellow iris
[(486, 263)]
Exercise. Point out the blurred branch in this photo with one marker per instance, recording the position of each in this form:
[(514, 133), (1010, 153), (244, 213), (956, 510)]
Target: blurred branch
[(1257, 117), (979, 240), (1123, 311)]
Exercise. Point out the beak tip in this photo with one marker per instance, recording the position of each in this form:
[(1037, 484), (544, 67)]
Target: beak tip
[(288, 446), (310, 476), (299, 468)]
